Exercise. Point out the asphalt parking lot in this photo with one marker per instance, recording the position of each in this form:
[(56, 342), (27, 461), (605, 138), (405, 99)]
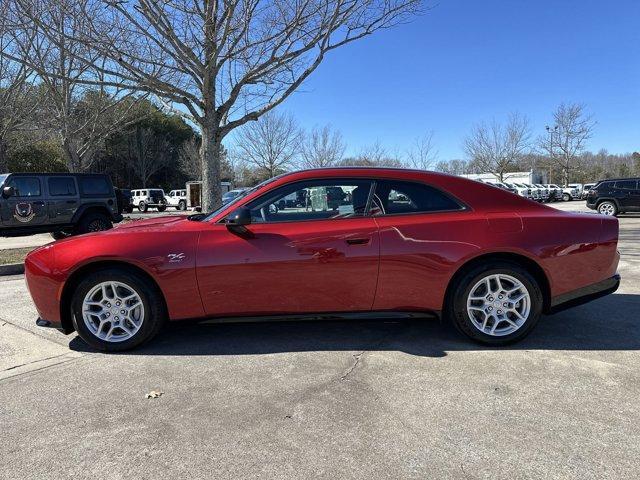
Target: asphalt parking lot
[(381, 399)]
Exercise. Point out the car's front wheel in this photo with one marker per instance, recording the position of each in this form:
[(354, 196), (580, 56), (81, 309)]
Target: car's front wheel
[(608, 208), (142, 206), (182, 205), (115, 310), (566, 197), (496, 303)]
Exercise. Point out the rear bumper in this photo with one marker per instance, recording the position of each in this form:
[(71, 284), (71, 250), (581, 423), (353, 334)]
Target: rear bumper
[(584, 294)]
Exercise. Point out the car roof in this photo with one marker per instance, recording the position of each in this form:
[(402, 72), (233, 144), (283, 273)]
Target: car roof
[(476, 195)]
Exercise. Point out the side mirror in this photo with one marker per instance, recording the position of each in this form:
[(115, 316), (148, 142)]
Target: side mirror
[(239, 217), (8, 192)]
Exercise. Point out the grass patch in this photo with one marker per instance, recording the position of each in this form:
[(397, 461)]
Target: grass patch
[(14, 255)]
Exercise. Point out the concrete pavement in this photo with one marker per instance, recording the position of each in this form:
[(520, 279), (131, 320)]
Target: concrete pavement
[(380, 399)]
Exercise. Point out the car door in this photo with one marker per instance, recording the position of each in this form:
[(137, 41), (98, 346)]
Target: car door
[(26, 208), (63, 199), (423, 231), (318, 257), (625, 193), (634, 197)]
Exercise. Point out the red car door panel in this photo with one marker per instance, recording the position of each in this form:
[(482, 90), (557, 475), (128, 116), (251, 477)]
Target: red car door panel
[(418, 254), (289, 268)]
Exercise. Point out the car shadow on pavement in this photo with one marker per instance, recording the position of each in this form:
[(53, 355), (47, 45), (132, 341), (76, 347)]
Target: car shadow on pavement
[(610, 323)]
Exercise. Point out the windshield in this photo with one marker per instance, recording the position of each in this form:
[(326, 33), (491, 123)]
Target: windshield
[(236, 199), (3, 178)]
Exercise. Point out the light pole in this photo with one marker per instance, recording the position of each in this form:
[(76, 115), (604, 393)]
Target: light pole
[(551, 131)]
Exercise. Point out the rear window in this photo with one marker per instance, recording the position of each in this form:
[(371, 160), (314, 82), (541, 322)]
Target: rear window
[(407, 197), (95, 186), (61, 186)]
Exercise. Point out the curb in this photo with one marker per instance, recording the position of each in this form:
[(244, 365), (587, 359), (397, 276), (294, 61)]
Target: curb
[(12, 269)]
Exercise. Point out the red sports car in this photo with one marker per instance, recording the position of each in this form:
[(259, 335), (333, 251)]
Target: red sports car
[(355, 242)]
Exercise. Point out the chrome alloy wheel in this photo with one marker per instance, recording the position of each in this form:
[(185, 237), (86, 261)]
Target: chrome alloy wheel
[(606, 209), (498, 305), (113, 311)]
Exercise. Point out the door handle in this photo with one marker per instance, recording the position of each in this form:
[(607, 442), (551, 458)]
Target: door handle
[(358, 241), (71, 201)]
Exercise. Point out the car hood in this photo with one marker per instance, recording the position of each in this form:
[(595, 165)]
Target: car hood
[(150, 223)]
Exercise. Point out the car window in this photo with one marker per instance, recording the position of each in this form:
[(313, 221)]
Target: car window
[(626, 184), (319, 199), (94, 186), (604, 185), (62, 186), (394, 197), (25, 186)]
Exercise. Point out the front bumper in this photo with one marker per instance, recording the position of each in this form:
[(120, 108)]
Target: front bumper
[(584, 294)]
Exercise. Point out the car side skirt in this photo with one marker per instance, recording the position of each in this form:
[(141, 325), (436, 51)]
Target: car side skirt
[(377, 315), (585, 294)]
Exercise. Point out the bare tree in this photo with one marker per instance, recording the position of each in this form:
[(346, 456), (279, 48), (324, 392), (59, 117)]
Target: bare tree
[(189, 159), (495, 148), (323, 147), (45, 38), (147, 153), (374, 155), (219, 63), (566, 139), (423, 154), (271, 143), (453, 167), (18, 95)]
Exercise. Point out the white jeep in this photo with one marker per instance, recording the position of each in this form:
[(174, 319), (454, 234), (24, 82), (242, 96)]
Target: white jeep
[(148, 197), (177, 199)]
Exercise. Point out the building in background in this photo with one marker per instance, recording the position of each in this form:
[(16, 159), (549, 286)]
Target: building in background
[(530, 177)]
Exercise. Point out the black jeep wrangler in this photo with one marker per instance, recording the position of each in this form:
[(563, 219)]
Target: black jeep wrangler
[(60, 203)]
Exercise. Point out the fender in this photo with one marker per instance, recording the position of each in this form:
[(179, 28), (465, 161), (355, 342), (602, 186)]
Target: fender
[(115, 217)]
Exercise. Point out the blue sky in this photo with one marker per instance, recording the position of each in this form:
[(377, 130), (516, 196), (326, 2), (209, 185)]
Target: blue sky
[(467, 61)]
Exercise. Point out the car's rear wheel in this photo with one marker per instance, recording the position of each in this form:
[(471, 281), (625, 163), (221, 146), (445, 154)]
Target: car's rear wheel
[(566, 197), (142, 206), (94, 222), (608, 208), (496, 303), (115, 310)]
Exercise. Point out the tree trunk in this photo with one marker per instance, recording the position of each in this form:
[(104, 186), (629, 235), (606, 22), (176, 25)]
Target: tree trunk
[(210, 159), (74, 162), (4, 167)]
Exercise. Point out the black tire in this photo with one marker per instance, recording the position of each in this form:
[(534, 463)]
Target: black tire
[(182, 205), (154, 310), (93, 222), (566, 197), (60, 235), (142, 206), (608, 207), (162, 208), (456, 308)]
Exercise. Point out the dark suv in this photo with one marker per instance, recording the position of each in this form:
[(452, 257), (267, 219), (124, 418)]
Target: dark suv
[(611, 197), (61, 203)]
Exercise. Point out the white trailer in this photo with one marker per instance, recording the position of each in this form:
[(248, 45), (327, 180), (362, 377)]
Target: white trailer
[(194, 193)]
